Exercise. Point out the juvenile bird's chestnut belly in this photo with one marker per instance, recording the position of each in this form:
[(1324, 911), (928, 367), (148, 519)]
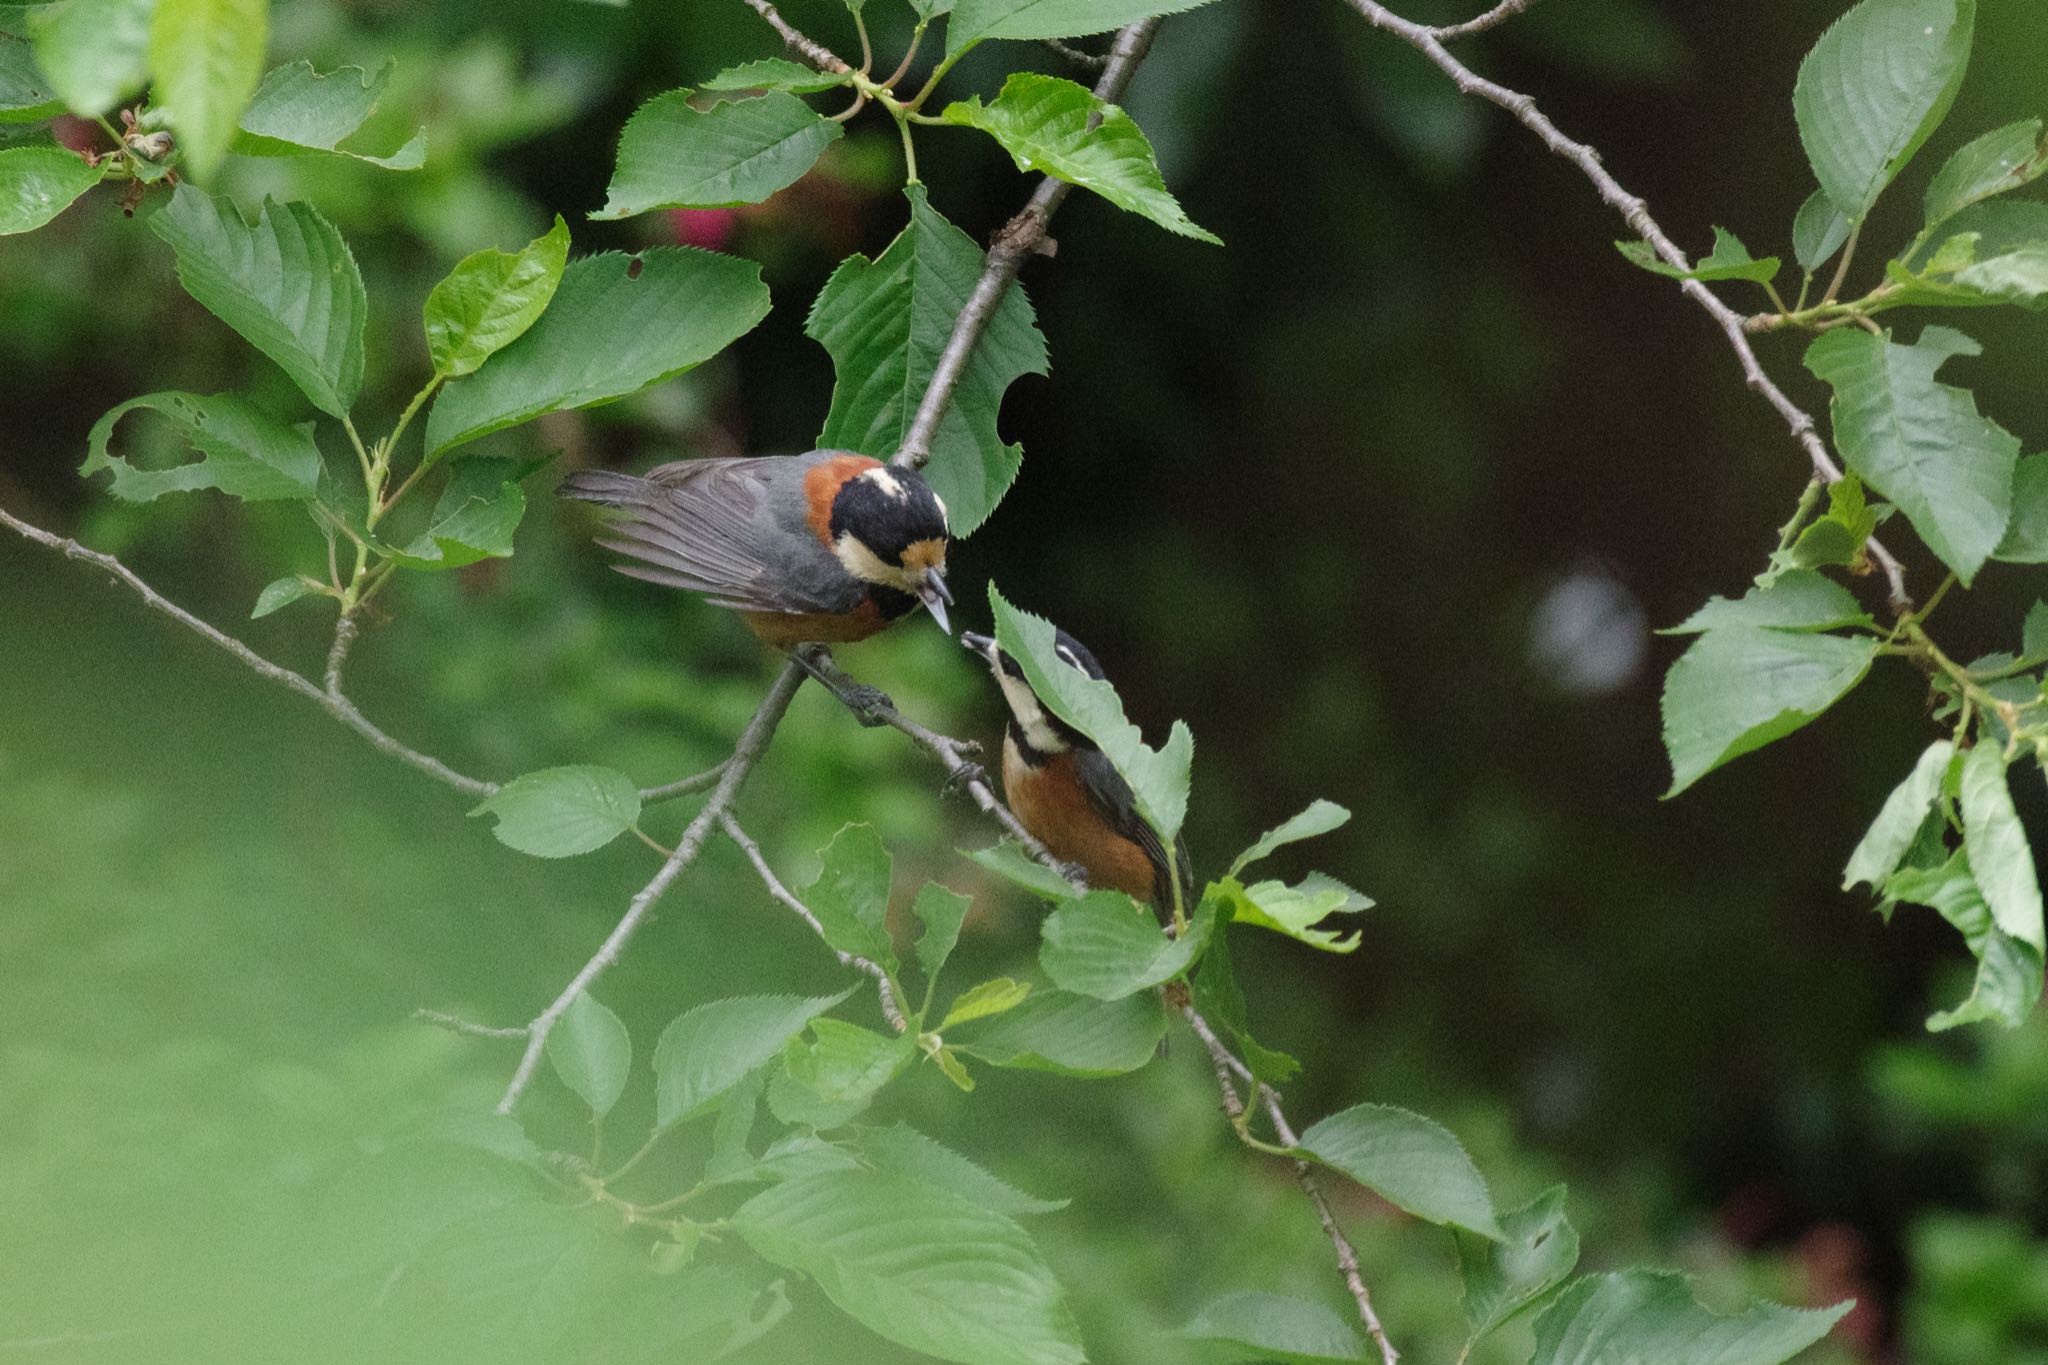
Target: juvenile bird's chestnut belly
[(1053, 805)]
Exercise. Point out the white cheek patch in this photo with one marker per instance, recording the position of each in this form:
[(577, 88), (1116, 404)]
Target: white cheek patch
[(866, 565), (888, 483), (1031, 719)]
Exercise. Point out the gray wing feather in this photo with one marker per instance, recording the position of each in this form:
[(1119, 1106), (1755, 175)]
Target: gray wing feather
[(711, 526)]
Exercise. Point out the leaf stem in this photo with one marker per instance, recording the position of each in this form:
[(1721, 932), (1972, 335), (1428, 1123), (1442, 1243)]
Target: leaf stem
[(903, 69), (1842, 270)]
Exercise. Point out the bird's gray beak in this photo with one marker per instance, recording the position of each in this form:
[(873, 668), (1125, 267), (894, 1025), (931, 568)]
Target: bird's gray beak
[(981, 646), (936, 597)]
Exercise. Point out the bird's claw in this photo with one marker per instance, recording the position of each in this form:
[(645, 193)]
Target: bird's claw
[(961, 778), (1074, 872), (870, 705)]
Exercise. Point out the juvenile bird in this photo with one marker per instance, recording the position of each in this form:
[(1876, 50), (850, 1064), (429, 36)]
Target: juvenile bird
[(1066, 792), (809, 549)]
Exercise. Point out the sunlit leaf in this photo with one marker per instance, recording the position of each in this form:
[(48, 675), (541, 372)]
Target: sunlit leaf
[(1071, 1035), (38, 183), (207, 57), (983, 1001), (94, 53), (560, 812), (246, 453), (490, 299)]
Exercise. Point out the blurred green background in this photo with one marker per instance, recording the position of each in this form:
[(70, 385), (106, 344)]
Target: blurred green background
[(1383, 498)]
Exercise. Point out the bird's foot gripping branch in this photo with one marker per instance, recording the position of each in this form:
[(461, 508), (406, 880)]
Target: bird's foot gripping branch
[(763, 1164)]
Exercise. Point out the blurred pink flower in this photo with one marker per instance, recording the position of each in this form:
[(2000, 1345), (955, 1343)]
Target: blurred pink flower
[(708, 228)]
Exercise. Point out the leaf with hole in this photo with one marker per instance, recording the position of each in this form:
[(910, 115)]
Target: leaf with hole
[(941, 912), (885, 324), (707, 1051), (1921, 443), (777, 73), (1411, 1162), (288, 284), (1062, 129), (297, 111), (1294, 910), (828, 1079), (245, 452), (616, 325), (561, 812), (917, 1264), (1729, 260), (674, 155), (475, 518), (1874, 89), (1538, 1248)]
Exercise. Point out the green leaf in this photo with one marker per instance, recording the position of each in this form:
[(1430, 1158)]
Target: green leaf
[(1885, 844), (1651, 1315), (490, 299), (837, 1073), (990, 998), (1055, 126), (95, 53), (560, 812), (1818, 231), (1319, 818), (1294, 910), (2034, 632), (1009, 861), (38, 183), (475, 519), (885, 323), (1797, 599), (288, 285), (1276, 1327), (591, 1052), (2026, 538), (902, 1150), (675, 156), (617, 324), (2000, 859), (941, 912), (1412, 1162), (1072, 1035), (707, 1051), (280, 593), (1999, 161), (1159, 777), (931, 9), (1107, 946), (975, 20), (1730, 260), (1874, 89), (26, 94), (918, 1265), (246, 453), (777, 73), (298, 112), (1741, 687), (2005, 990), (208, 58), (851, 895), (1837, 538), (1921, 443), (1538, 1248), (1221, 1000)]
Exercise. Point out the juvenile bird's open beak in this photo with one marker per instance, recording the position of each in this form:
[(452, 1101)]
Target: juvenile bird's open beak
[(937, 597)]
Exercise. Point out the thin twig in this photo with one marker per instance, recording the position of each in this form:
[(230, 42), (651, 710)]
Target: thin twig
[(891, 1010), (1006, 256), (746, 751), (1636, 213), (455, 1023), (336, 705), (695, 782), (1499, 14), (1090, 61), (816, 53), (1304, 1174)]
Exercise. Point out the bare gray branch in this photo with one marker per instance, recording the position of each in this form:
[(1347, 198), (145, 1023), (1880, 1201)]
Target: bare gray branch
[(816, 53)]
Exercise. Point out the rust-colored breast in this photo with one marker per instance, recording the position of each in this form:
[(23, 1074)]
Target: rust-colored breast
[(822, 483), (1053, 805), (784, 629)]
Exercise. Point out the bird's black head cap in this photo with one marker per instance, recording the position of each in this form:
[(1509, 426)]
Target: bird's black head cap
[(895, 514)]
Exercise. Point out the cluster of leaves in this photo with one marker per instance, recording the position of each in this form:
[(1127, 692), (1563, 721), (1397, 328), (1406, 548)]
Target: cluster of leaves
[(1870, 94)]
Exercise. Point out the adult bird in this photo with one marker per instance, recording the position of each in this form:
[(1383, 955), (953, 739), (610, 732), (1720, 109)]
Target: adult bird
[(1067, 793), (810, 550)]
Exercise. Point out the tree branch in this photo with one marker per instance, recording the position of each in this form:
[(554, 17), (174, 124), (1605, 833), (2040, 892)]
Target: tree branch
[(816, 53), (1499, 14), (695, 782), (746, 751), (891, 1009), (1304, 1174), (327, 699), (1006, 256), (1091, 61), (1428, 41)]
